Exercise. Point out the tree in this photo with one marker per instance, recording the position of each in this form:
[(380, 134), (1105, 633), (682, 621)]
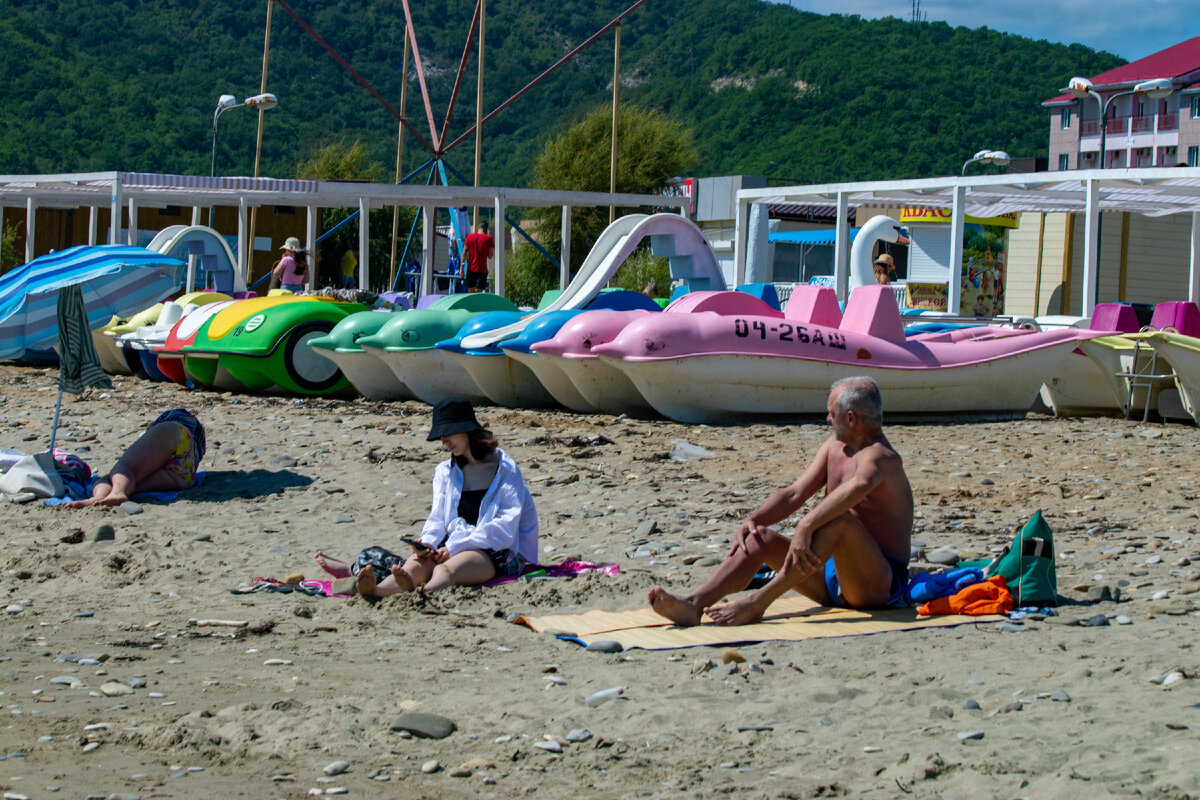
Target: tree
[(652, 148), (338, 162)]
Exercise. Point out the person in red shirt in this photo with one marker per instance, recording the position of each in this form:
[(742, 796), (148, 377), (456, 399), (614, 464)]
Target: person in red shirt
[(480, 246)]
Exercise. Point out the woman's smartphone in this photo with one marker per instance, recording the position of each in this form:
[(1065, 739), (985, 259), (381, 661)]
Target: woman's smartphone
[(415, 544)]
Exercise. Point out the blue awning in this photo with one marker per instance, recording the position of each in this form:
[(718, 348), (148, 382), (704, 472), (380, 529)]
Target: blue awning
[(825, 236)]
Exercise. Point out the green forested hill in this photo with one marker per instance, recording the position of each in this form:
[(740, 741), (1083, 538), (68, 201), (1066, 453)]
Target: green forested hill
[(132, 84)]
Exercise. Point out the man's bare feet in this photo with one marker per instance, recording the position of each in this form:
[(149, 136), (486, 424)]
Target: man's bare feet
[(334, 566), (737, 612), (403, 581), (366, 582), (675, 608)]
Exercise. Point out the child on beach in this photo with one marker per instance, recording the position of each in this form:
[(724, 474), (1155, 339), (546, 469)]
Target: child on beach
[(164, 458), (482, 524)]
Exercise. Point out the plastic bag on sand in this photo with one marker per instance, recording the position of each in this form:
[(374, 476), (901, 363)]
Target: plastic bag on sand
[(686, 452)]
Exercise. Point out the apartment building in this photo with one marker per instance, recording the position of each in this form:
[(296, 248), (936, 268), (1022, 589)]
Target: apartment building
[(1138, 131)]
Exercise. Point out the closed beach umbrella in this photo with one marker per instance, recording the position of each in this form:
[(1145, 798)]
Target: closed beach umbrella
[(114, 280), (79, 366)]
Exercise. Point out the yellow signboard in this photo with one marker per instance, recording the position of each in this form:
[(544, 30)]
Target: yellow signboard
[(1010, 220), (932, 296)]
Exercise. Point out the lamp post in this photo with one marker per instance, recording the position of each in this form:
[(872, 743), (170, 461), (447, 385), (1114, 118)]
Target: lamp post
[(988, 157), (265, 101), (1155, 89)]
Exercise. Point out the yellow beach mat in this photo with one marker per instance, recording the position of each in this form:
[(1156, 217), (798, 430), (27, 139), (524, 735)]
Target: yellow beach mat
[(790, 618)]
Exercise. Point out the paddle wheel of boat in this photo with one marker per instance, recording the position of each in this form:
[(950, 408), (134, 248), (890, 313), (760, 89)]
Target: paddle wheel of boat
[(304, 365)]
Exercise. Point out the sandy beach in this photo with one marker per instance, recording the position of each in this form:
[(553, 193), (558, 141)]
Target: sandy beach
[(109, 692)]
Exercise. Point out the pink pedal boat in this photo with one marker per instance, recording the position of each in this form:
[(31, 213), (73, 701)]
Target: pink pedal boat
[(728, 368)]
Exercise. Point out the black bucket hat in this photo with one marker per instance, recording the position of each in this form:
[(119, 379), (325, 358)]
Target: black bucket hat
[(453, 415)]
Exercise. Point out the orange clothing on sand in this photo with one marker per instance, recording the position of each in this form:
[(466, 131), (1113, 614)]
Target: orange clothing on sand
[(989, 597)]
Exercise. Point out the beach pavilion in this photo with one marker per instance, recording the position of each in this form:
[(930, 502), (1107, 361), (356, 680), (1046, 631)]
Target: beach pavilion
[(1048, 271), (112, 198)]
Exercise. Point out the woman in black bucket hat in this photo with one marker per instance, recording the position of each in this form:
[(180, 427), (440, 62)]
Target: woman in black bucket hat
[(482, 524)]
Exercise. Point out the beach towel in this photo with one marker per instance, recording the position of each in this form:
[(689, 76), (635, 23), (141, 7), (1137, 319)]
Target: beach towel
[(77, 491), (790, 618), (567, 569), (990, 597)]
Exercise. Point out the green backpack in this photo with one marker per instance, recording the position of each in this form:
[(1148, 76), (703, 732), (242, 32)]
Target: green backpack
[(1027, 565)]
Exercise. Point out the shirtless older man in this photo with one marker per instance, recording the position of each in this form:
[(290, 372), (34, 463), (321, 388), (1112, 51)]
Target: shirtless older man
[(851, 549)]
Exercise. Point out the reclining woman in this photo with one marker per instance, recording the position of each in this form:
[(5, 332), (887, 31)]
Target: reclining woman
[(164, 458), (483, 523)]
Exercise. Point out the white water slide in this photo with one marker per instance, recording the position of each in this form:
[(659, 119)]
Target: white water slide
[(672, 236)]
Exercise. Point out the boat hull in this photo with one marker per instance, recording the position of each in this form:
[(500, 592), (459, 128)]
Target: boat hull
[(1079, 388), (733, 388), (603, 385), (1117, 356), (1183, 352), (372, 378), (555, 381), (431, 375), (506, 382)]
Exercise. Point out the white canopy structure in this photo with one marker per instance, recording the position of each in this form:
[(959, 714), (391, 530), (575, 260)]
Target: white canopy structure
[(133, 189), (1155, 191)]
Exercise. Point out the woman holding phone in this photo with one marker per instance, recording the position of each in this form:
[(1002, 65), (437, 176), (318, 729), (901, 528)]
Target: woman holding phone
[(482, 523)]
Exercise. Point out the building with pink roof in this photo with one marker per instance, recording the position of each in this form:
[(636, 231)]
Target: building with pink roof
[(1139, 131)]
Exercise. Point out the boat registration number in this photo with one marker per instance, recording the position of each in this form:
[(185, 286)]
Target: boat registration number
[(787, 332)]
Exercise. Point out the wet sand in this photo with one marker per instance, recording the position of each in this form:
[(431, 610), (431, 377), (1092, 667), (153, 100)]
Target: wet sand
[(178, 710)]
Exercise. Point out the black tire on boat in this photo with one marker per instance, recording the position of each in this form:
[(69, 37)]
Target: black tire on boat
[(309, 371)]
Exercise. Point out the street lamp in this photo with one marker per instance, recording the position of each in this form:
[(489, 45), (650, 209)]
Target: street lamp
[(998, 157), (227, 101), (1155, 89)]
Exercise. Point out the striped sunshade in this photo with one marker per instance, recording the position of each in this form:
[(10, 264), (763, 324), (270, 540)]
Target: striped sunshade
[(115, 280)]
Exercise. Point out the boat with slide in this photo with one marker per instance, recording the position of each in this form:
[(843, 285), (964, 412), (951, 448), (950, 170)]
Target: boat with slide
[(509, 381), (572, 349), (555, 381), (1183, 354), (1139, 375), (405, 345), (701, 368), (261, 344), (140, 345), (1078, 386), (367, 374), (675, 238)]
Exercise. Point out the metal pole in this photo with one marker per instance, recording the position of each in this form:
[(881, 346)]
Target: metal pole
[(501, 241), (612, 169), (399, 157), (364, 248), (957, 221), (258, 143), (479, 109), (564, 253)]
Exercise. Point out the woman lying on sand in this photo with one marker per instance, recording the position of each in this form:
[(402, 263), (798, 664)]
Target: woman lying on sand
[(482, 524), (164, 458)]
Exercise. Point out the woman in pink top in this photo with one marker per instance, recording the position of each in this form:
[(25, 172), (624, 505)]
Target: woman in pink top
[(291, 271)]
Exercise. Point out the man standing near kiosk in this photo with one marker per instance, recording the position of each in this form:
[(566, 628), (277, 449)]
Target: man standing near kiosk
[(480, 246)]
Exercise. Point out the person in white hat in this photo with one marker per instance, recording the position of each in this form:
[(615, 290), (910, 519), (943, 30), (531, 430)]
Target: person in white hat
[(291, 271)]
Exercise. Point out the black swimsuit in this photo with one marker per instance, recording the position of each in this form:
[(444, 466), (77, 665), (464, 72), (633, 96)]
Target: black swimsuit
[(468, 505)]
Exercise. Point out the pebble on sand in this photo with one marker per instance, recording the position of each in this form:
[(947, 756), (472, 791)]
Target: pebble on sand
[(336, 768), (426, 726), (431, 766)]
